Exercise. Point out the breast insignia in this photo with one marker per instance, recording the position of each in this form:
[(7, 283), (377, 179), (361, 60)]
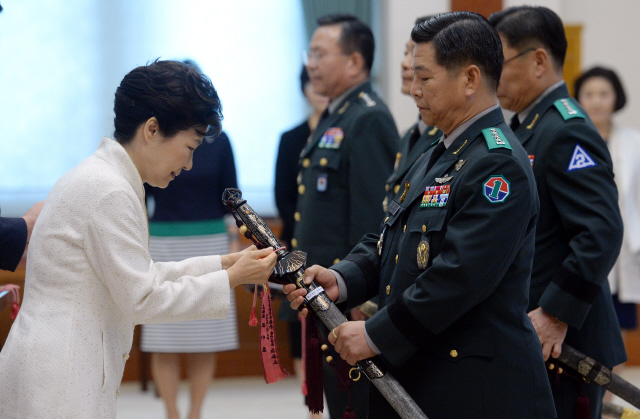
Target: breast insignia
[(423, 254)]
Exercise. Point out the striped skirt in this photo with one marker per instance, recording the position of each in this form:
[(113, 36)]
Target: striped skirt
[(197, 335)]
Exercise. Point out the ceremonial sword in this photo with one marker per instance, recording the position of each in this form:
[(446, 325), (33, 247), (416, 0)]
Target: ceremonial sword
[(593, 371), (290, 269)]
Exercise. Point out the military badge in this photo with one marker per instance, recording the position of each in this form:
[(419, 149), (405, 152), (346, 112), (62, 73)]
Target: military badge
[(435, 196), (332, 138), (459, 164), (423, 254), (496, 189), (322, 182), (380, 242), (444, 179), (580, 160), (406, 188), (531, 159)]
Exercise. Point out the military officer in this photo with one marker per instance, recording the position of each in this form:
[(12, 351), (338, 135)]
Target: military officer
[(344, 166), (417, 139), (452, 258), (579, 232)]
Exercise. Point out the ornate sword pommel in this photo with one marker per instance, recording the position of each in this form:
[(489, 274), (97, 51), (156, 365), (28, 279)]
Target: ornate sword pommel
[(232, 198)]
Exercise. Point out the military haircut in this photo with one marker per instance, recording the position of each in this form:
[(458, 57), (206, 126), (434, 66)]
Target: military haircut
[(532, 26), (179, 95), (462, 38), (355, 36), (610, 76), (423, 19)]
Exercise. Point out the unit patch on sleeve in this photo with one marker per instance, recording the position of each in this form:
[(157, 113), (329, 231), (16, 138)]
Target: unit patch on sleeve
[(580, 160), (332, 138), (496, 189), (435, 196)]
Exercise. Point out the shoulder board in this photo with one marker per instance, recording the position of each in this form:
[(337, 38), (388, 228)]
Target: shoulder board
[(495, 138), (367, 99), (567, 109)]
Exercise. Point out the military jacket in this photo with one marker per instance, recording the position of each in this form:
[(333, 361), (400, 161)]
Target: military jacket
[(579, 232), (451, 266), (407, 156), (342, 173)]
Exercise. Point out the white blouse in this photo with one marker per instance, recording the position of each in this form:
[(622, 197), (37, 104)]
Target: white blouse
[(89, 281)]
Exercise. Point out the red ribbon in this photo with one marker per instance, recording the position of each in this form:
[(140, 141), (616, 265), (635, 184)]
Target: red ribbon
[(273, 371)]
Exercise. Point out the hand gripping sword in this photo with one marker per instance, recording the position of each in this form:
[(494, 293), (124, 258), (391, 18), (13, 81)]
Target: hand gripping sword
[(290, 269)]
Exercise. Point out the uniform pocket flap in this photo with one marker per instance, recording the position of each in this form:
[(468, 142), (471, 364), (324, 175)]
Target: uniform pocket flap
[(326, 159), (470, 341), (431, 220)]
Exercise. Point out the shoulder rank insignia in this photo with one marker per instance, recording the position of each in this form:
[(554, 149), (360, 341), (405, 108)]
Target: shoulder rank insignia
[(367, 99), (332, 138), (496, 189), (444, 179), (567, 109), (580, 160), (495, 138)]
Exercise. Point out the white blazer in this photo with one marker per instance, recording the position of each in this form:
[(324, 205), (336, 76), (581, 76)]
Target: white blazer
[(624, 146), (89, 281)]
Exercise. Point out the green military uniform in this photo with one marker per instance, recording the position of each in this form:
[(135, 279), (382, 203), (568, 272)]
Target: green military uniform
[(341, 185), (451, 268), (412, 146), (578, 236)]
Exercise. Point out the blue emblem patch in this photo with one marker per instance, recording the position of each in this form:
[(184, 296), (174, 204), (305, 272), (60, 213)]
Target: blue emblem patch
[(322, 182), (580, 160), (496, 189)]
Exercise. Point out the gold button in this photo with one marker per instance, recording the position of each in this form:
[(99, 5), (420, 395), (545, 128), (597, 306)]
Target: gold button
[(404, 230), (294, 242), (329, 358), (396, 188), (551, 366), (388, 289), (453, 353), (296, 216), (396, 258), (306, 163), (301, 189), (386, 219), (323, 161), (386, 187), (336, 260), (324, 347), (125, 357), (424, 228)]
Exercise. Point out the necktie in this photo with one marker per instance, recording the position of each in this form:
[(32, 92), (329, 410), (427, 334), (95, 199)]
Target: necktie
[(515, 123), (435, 155)]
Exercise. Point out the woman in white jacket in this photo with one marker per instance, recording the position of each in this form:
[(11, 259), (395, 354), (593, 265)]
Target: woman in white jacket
[(600, 92), (90, 278)]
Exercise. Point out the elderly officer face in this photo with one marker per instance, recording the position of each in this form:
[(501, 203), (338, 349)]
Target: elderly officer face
[(328, 65), (439, 93)]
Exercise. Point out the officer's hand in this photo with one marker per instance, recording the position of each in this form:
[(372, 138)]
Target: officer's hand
[(322, 276), (351, 343), (551, 332)]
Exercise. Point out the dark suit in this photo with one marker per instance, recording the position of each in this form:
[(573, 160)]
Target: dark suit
[(454, 331), (579, 232), (341, 187), (13, 240), (412, 146)]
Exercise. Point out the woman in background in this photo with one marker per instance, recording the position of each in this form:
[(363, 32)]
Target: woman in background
[(187, 219)]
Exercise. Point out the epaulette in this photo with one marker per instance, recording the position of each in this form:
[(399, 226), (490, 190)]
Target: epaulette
[(495, 138), (367, 99), (567, 109)]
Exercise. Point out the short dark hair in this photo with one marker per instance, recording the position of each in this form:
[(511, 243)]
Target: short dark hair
[(179, 95), (607, 74), (531, 26), (304, 78), (355, 36), (423, 19), (462, 38)]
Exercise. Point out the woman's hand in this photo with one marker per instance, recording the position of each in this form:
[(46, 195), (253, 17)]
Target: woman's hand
[(253, 267), (230, 259)]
